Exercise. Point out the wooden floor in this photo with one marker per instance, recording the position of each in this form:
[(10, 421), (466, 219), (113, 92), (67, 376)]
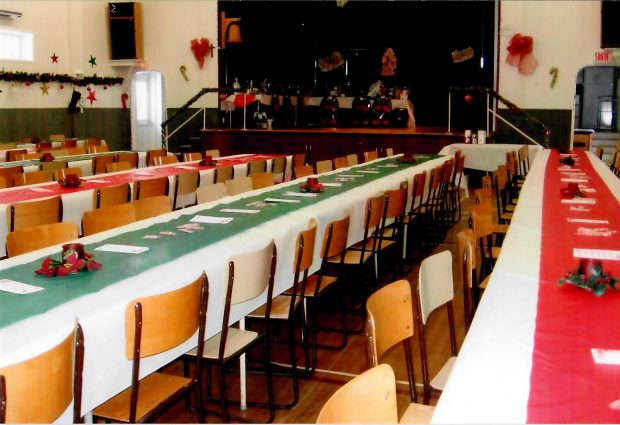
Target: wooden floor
[(334, 368)]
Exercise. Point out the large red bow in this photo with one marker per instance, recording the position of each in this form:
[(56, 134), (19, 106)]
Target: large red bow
[(520, 51), (200, 49)]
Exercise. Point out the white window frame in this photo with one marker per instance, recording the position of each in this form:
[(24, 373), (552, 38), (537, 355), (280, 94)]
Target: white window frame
[(22, 49)]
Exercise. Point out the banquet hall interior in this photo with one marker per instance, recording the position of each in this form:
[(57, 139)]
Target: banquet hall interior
[(242, 211)]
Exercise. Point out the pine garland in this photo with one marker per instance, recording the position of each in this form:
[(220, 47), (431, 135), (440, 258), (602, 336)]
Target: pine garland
[(22, 77)]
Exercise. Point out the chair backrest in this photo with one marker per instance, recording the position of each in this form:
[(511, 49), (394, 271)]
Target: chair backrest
[(213, 153), (37, 237), (303, 171), (57, 138), (368, 398), (335, 240), (389, 151), (31, 177), (131, 157), (111, 195), (435, 283), (299, 159), (9, 172), (34, 213), (210, 192), (323, 166), (98, 149), (257, 166), (238, 185), (466, 243), (372, 221), (278, 166), (192, 156), (390, 318), (482, 221), (28, 156), (223, 174), (51, 166), (13, 154), (92, 141), (76, 151), (152, 207), (165, 160), (2, 182), (113, 167), (100, 162), (395, 203), (417, 189), (152, 154), (106, 218), (151, 187), (62, 173), (186, 184), (340, 162), (370, 155), (261, 180), (8, 146), (352, 159), (69, 143), (40, 389)]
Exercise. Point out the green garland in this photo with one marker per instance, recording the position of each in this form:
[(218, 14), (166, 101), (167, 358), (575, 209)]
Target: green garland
[(22, 77)]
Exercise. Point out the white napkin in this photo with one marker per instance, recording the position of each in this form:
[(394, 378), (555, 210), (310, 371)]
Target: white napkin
[(125, 249), (14, 287), (598, 254), (211, 220), (238, 210), (301, 194)]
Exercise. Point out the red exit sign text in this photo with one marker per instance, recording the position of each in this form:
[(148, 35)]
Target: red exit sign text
[(602, 56)]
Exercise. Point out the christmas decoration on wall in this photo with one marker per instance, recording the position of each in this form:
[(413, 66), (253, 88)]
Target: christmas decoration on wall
[(29, 77), (462, 55), (201, 49), (183, 70), (54, 58), (388, 63), (91, 96), (124, 98), (44, 89), (92, 61), (331, 62), (73, 103), (520, 54)]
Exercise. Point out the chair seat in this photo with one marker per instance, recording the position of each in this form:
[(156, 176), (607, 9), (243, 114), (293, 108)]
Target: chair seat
[(439, 381), (506, 216), (154, 389), (383, 244), (417, 413), (280, 306), (510, 208), (313, 281), (237, 339), (500, 228)]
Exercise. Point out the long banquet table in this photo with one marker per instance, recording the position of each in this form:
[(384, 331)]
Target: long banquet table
[(527, 356), (29, 323), (487, 156)]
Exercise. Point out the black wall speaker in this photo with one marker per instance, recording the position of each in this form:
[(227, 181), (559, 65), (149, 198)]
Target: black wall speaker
[(125, 30)]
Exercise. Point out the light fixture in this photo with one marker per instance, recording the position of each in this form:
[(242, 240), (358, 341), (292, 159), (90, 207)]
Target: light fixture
[(230, 31)]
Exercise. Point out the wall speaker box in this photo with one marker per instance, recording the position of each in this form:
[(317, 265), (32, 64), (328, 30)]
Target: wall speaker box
[(125, 30)]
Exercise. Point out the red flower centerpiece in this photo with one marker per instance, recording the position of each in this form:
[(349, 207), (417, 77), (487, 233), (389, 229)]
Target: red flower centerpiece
[(71, 180), (590, 276), (407, 159), (74, 260), (567, 160), (571, 191), (312, 185), (46, 157), (207, 160)]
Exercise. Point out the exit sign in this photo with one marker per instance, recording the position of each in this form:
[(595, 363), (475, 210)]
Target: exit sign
[(603, 56)]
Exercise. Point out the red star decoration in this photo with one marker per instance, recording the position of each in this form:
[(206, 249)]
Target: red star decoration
[(54, 58), (91, 96)]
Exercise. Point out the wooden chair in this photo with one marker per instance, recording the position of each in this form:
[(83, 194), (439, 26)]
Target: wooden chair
[(340, 162), (370, 155), (278, 168), (62, 173), (323, 166), (50, 167), (57, 138), (299, 159), (37, 237), (262, 180), (131, 157), (192, 156), (92, 141), (392, 229), (98, 149), (9, 172), (435, 288), (13, 154), (213, 153), (454, 188), (153, 325), (100, 162), (303, 171), (28, 156), (165, 160), (223, 174), (185, 186), (238, 185), (152, 207), (31, 177), (249, 276), (34, 213), (483, 229), (258, 166), (598, 151), (2, 183), (151, 187), (210, 192), (76, 151), (352, 159), (69, 143), (41, 388), (370, 398), (416, 217), (106, 218), (114, 167), (389, 151), (471, 288), (111, 195), (9, 146), (58, 152), (152, 154)]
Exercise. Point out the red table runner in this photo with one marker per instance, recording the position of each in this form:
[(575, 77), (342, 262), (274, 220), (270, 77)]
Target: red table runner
[(26, 193), (566, 385)]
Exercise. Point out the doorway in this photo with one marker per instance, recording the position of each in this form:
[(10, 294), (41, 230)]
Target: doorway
[(148, 110)]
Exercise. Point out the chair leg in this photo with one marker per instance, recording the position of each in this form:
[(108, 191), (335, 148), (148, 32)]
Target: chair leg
[(223, 401), (269, 377)]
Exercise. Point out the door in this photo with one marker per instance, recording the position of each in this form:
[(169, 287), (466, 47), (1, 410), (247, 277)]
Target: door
[(148, 110)]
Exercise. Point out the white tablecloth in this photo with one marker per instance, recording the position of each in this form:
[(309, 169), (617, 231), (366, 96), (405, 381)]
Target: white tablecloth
[(491, 378), (486, 157)]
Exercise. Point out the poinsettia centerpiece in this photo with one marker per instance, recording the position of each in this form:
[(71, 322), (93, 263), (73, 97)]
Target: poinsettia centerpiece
[(74, 260), (312, 185), (590, 276)]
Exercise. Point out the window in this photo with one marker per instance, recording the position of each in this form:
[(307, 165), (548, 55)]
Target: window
[(15, 45)]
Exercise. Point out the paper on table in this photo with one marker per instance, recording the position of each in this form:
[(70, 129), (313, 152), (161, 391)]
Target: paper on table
[(97, 181), (599, 231), (597, 254), (586, 220), (186, 167), (301, 194), (210, 219), (349, 175), (144, 173), (388, 166), (579, 201), (367, 171), (602, 356), (239, 210), (14, 287), (125, 249), (40, 189), (575, 180), (292, 201), (332, 184)]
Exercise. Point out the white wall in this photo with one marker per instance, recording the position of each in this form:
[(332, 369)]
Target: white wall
[(75, 29), (566, 35)]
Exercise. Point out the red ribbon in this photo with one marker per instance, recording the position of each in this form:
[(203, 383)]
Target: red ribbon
[(200, 49)]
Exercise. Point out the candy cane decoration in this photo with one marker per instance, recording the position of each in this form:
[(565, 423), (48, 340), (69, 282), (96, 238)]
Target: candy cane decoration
[(124, 98), (554, 75)]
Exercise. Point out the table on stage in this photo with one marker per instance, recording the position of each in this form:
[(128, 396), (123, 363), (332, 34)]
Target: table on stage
[(30, 323), (487, 157), (527, 356)]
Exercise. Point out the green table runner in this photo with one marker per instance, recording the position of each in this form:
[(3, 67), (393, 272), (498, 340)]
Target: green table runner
[(68, 158), (116, 266)]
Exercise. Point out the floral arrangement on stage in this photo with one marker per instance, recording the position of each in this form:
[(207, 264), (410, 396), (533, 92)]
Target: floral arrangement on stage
[(590, 276), (312, 185), (46, 157), (74, 260)]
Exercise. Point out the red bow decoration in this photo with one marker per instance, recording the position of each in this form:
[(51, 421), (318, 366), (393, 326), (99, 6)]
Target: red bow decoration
[(520, 51), (200, 49)]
